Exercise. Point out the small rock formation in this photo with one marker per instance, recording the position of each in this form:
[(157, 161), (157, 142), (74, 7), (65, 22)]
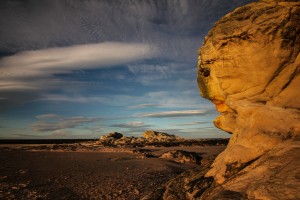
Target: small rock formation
[(182, 156), (112, 135), (154, 136), (249, 67), (110, 138), (144, 153)]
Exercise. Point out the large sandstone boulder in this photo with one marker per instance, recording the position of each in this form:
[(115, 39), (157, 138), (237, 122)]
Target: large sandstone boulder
[(249, 67)]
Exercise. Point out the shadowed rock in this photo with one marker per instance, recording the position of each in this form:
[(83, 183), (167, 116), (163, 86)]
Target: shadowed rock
[(182, 156), (188, 185), (112, 135)]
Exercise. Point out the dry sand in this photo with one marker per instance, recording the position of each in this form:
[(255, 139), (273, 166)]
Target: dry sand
[(111, 173)]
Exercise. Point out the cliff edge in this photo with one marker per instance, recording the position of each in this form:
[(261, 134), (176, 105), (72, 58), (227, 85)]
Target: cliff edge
[(249, 68)]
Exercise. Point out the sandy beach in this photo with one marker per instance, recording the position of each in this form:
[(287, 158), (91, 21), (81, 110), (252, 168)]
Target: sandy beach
[(108, 173)]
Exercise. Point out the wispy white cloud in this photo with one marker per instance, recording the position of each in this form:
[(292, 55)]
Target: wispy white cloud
[(61, 123), (159, 99), (26, 136), (148, 73), (132, 128), (191, 123), (60, 60), (169, 72), (188, 99), (209, 132), (112, 100), (131, 125), (181, 113), (143, 106), (26, 76), (47, 116), (30, 75), (149, 100), (73, 98), (161, 70), (61, 133)]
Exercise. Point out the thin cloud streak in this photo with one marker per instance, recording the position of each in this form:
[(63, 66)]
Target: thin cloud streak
[(131, 125), (47, 116), (182, 113), (132, 128), (63, 123), (144, 106), (191, 123)]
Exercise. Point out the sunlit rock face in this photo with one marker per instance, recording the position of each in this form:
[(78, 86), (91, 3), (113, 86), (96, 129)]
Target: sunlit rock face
[(249, 68)]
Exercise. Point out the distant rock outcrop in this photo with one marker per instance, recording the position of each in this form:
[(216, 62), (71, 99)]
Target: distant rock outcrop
[(157, 139), (149, 138), (155, 136), (112, 135), (249, 67)]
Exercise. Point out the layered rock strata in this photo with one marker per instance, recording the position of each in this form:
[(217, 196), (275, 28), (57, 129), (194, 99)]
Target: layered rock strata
[(249, 67)]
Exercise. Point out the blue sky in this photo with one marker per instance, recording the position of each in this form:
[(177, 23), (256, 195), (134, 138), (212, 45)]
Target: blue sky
[(81, 69)]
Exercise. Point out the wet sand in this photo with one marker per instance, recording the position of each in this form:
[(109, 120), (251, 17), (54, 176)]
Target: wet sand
[(106, 174)]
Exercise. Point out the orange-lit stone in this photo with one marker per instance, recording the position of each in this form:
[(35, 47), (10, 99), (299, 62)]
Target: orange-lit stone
[(249, 68)]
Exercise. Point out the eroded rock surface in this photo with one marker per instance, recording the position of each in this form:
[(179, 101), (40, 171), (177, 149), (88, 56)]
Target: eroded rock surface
[(112, 135), (149, 137), (188, 185), (157, 139), (156, 136), (182, 156), (249, 67)]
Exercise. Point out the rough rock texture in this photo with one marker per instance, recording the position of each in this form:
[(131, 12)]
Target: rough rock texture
[(149, 137), (154, 138), (112, 135), (249, 68), (159, 136), (182, 156), (275, 175), (188, 185)]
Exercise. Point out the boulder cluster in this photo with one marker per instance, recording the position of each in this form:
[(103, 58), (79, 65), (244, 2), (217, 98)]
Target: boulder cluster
[(154, 136), (156, 139), (148, 138)]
